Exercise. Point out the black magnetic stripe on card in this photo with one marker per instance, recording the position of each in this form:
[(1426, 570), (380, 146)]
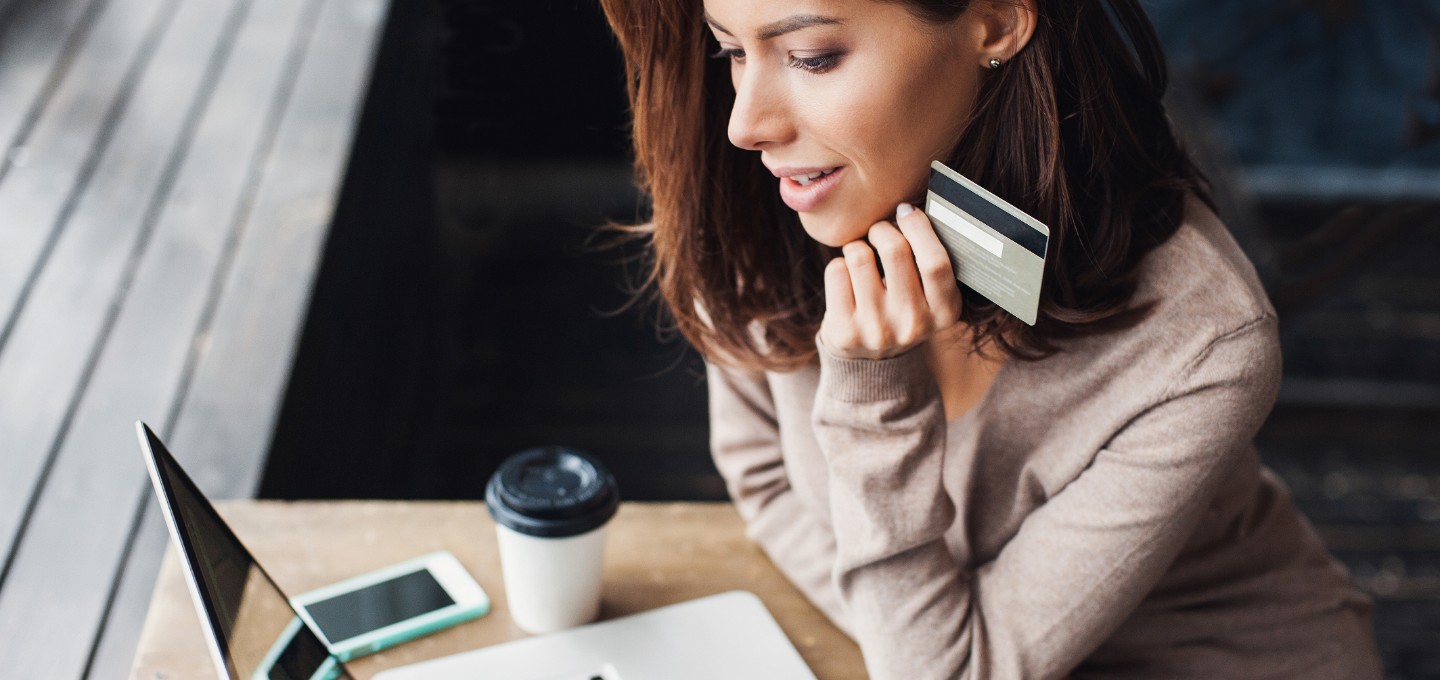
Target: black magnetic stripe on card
[(992, 215)]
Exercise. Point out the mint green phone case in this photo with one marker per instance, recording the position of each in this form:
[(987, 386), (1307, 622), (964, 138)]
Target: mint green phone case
[(329, 669), (471, 602)]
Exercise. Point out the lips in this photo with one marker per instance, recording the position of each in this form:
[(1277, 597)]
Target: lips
[(803, 189)]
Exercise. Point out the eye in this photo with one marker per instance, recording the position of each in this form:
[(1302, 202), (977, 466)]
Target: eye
[(816, 64), (734, 54)]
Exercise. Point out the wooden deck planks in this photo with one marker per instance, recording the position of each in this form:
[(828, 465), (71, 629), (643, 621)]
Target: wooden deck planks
[(226, 420), (45, 363), (70, 134), (65, 567), (36, 39), (114, 649), (36, 191), (228, 266)]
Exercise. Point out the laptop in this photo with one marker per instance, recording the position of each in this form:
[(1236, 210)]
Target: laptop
[(254, 633), (720, 637)]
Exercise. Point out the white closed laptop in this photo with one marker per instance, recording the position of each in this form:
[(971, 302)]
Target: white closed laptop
[(730, 635), (254, 633)]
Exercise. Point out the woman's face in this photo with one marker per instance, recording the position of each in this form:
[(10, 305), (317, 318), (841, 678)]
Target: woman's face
[(859, 90)]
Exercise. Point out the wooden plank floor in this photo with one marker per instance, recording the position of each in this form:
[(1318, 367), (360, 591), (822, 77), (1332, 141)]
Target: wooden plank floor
[(170, 173)]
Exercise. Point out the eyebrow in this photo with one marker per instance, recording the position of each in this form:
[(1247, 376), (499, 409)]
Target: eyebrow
[(783, 26)]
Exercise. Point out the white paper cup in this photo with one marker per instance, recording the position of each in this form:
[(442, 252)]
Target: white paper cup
[(550, 507), (551, 583)]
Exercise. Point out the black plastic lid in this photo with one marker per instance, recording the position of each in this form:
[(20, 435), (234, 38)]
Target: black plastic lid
[(553, 492)]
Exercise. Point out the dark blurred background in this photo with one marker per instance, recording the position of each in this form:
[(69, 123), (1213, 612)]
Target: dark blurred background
[(465, 311)]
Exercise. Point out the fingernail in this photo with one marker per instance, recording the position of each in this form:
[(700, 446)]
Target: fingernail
[(903, 209)]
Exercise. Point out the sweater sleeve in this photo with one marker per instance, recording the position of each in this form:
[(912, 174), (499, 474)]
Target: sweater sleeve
[(745, 443), (1078, 566)]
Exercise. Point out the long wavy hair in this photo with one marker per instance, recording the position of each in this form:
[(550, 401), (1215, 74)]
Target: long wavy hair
[(1072, 130)]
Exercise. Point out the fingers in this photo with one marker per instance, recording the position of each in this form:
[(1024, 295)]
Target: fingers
[(838, 331), (870, 316), (902, 282), (932, 262), (907, 317), (864, 275), (839, 294)]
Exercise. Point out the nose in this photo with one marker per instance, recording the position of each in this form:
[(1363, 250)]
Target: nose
[(759, 118)]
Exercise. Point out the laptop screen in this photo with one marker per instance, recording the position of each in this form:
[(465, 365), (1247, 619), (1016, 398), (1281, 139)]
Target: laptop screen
[(251, 621)]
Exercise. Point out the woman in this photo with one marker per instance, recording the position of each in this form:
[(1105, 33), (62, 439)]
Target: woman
[(967, 495)]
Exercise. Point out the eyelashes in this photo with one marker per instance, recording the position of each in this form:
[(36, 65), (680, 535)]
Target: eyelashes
[(731, 53), (816, 64)]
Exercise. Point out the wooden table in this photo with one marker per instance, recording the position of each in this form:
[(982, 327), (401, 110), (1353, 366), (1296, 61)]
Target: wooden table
[(655, 554)]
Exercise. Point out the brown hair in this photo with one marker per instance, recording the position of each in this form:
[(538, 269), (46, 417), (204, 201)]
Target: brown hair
[(1071, 130)]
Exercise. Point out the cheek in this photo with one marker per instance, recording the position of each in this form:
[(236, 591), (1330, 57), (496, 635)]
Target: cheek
[(892, 149), (942, 113), (892, 133), (927, 130), (844, 122), (879, 149)]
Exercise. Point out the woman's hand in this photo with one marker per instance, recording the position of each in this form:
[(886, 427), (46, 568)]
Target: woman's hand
[(869, 317)]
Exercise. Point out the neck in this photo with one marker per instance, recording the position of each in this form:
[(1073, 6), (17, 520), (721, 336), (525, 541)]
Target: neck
[(964, 376)]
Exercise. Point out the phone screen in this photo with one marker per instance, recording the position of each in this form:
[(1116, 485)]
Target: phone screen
[(302, 657), (376, 606)]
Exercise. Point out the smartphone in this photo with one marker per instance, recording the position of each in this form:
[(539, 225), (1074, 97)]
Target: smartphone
[(383, 608), (297, 655)]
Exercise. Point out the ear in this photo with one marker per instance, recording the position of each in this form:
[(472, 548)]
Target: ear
[(1005, 28)]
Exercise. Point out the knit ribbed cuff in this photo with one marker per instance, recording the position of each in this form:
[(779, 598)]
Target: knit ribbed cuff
[(862, 381)]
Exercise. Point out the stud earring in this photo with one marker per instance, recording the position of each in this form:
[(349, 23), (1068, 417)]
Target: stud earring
[(994, 63)]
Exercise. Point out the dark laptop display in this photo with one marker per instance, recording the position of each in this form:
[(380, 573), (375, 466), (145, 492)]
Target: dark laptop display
[(252, 627)]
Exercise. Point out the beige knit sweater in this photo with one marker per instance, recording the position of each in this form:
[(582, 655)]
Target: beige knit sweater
[(1099, 514)]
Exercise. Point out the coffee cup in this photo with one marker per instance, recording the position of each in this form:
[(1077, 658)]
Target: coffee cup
[(550, 506)]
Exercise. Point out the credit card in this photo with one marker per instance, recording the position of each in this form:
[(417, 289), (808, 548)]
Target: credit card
[(995, 248)]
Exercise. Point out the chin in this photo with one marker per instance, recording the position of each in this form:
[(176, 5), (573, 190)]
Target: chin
[(834, 231)]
